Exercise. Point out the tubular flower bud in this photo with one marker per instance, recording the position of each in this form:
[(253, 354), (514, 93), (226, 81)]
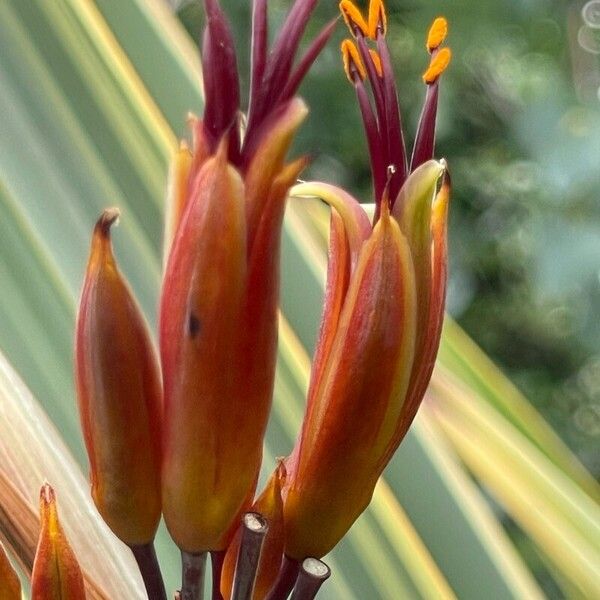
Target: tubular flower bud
[(119, 394), (270, 506), (218, 312), (377, 345), (56, 572), (10, 586), (381, 321)]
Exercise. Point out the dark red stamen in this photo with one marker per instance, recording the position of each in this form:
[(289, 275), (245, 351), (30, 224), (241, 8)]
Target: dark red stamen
[(374, 141), (394, 138), (260, 40), (279, 62), (375, 81), (425, 140)]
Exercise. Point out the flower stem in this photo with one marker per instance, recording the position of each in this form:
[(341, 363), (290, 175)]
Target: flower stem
[(288, 573), (216, 561), (254, 529), (145, 556), (193, 565), (312, 576)]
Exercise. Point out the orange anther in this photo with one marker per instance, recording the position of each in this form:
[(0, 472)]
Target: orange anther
[(353, 18), (377, 18), (353, 64), (377, 62), (439, 61), (437, 33)]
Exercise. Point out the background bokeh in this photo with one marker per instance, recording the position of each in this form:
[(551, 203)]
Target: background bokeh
[(519, 123)]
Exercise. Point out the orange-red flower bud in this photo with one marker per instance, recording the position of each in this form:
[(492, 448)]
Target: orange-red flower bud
[(377, 345), (119, 393), (10, 586), (218, 334), (56, 572), (270, 506)]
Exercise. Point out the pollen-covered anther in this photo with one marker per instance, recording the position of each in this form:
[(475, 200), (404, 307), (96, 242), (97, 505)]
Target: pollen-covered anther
[(353, 64), (437, 34), (377, 18), (353, 18), (439, 62), (376, 62)]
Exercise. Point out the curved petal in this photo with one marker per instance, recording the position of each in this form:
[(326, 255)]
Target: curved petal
[(267, 159), (177, 194), (412, 210), (355, 220), (199, 323), (425, 361)]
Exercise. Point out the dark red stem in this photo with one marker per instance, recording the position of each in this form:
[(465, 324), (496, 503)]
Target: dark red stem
[(145, 556), (288, 573)]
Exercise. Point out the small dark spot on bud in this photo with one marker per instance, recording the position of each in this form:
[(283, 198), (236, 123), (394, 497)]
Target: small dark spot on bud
[(194, 325)]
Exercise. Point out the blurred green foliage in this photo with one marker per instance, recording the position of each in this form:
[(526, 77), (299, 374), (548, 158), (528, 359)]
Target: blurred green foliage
[(519, 121)]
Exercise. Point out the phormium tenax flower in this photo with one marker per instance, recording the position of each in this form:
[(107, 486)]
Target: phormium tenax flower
[(218, 314), (384, 302)]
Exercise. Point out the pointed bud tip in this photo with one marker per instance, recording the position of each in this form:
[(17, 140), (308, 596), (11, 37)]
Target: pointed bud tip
[(47, 495), (107, 219)]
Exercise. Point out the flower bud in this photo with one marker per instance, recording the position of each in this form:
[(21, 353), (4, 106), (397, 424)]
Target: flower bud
[(56, 572), (218, 334), (119, 394)]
